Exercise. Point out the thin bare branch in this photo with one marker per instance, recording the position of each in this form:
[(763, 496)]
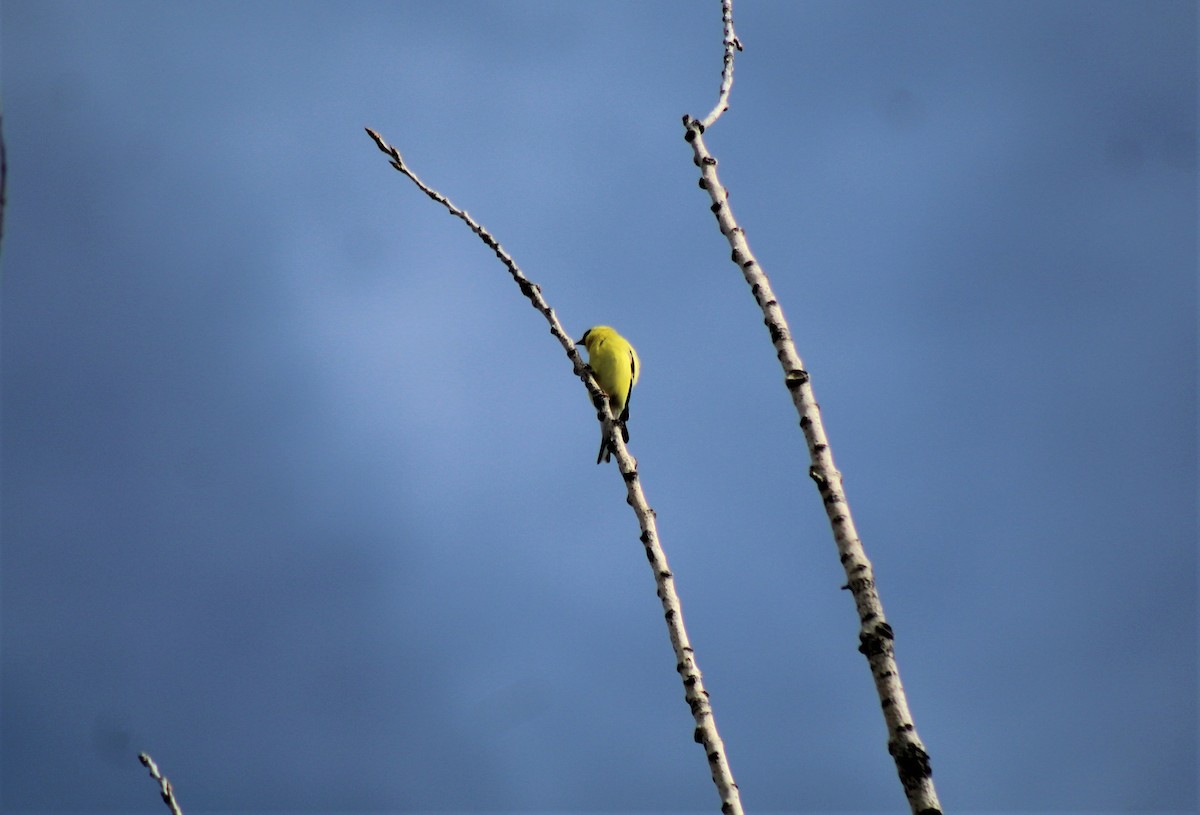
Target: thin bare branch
[(732, 44), (528, 288), (168, 792), (705, 732)]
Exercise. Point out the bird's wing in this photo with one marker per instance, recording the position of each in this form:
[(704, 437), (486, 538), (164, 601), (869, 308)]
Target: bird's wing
[(629, 391)]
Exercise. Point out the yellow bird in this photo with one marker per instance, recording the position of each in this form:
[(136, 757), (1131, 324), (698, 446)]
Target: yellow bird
[(615, 365)]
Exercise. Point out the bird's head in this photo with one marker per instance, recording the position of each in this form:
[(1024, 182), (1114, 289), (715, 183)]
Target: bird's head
[(594, 335)]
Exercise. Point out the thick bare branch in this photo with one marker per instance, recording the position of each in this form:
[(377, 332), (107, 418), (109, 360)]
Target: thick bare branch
[(875, 635)]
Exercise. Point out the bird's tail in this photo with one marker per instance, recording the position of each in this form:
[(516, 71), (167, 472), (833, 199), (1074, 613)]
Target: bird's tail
[(606, 449)]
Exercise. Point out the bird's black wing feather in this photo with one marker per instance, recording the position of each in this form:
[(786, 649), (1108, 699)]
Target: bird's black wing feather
[(629, 393)]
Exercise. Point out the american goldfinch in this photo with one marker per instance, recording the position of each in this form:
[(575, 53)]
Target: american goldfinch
[(615, 365)]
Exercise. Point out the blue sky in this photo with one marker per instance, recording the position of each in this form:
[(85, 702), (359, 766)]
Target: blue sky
[(299, 494)]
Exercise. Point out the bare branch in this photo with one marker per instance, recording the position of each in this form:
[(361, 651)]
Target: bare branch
[(875, 635), (705, 732), (732, 43), (528, 288), (876, 639), (168, 792)]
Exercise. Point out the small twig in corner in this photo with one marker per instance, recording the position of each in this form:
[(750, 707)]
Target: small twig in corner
[(168, 792)]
